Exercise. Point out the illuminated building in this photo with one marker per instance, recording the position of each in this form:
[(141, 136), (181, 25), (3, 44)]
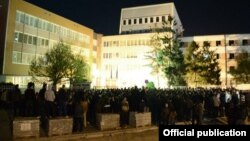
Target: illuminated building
[(28, 31)]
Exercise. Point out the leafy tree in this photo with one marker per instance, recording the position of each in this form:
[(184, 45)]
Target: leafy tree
[(192, 65), (242, 72), (78, 70), (202, 65), (210, 71), (58, 63), (168, 56)]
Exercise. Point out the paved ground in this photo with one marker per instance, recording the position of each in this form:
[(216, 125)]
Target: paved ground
[(149, 133)]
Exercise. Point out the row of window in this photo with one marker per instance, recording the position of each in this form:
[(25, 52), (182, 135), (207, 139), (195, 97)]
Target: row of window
[(128, 67), (144, 20), (29, 39), (23, 58), (230, 56), (138, 42), (244, 42), (36, 22), (117, 55)]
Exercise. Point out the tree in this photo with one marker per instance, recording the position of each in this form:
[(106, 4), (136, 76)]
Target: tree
[(202, 65), (210, 67), (192, 64), (58, 63), (242, 72), (168, 56), (78, 70)]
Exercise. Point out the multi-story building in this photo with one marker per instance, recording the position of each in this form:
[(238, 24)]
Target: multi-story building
[(144, 19), (27, 32), (124, 57), (226, 47)]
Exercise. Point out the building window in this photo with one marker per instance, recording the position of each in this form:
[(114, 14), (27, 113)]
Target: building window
[(151, 20), (124, 22), (146, 20), (231, 55), (218, 43), (140, 21), (129, 21), (163, 18), (231, 42), (244, 42), (217, 56), (231, 68), (135, 21), (157, 19)]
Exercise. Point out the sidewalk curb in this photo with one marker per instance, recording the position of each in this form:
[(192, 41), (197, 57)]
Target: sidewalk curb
[(97, 134)]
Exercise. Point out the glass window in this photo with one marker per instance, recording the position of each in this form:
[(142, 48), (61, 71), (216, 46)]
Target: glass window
[(231, 68), (16, 57), (163, 18), (124, 22), (231, 55), (129, 21), (22, 19), (231, 42), (217, 56), (140, 21), (151, 19), (135, 21), (244, 42), (20, 38), (25, 38), (17, 16), (26, 19), (146, 20), (16, 37), (218, 43), (157, 19), (30, 39), (34, 40)]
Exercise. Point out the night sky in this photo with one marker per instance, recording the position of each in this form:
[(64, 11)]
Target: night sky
[(199, 17)]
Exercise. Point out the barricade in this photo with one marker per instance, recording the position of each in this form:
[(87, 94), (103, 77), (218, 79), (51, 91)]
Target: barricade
[(26, 127), (60, 126), (108, 121), (139, 119)]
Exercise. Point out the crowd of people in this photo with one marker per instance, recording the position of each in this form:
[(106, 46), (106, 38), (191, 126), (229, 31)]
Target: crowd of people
[(167, 106)]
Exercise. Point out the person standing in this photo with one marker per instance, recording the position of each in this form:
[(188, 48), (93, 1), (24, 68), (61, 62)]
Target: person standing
[(50, 97), (30, 98), (124, 112)]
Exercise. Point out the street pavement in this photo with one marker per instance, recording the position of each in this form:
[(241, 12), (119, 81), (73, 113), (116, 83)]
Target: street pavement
[(148, 133)]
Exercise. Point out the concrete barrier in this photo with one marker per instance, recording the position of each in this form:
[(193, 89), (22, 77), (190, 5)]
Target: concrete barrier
[(139, 119), (60, 126), (26, 127), (108, 121)]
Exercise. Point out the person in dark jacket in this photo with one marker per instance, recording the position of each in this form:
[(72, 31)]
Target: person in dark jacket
[(30, 98)]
